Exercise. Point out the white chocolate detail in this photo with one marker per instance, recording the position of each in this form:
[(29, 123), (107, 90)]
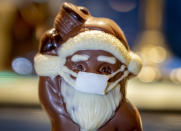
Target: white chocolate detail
[(122, 67), (95, 40), (113, 85), (77, 58), (66, 74), (135, 64), (46, 65), (91, 83), (108, 59), (90, 111)]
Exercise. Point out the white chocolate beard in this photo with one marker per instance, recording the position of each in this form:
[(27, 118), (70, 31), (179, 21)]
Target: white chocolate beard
[(90, 111)]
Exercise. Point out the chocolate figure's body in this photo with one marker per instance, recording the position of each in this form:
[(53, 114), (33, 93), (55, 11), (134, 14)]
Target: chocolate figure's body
[(126, 117), (71, 21)]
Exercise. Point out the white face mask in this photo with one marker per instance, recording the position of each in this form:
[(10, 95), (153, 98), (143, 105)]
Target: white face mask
[(95, 83), (91, 83)]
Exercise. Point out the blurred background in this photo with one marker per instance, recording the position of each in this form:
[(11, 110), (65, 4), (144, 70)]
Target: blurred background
[(152, 28)]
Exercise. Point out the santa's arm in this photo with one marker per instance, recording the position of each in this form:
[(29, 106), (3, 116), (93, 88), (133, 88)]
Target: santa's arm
[(46, 65), (50, 95)]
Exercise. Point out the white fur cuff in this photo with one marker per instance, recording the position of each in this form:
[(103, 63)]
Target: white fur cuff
[(46, 65)]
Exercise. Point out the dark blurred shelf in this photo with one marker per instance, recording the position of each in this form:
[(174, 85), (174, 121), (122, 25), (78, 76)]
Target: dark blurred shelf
[(35, 119)]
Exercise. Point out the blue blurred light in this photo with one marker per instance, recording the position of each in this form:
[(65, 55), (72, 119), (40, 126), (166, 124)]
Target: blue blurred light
[(127, 20)]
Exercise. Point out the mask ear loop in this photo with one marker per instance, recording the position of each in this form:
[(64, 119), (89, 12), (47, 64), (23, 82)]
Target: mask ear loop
[(65, 73), (119, 70), (111, 86), (67, 70)]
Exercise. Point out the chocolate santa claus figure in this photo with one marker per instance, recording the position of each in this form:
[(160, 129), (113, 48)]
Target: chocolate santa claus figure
[(84, 63)]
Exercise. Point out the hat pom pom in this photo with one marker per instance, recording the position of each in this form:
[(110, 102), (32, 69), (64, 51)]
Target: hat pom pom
[(135, 64)]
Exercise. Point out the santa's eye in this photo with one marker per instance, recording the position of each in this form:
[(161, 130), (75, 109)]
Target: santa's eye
[(79, 67), (105, 70)]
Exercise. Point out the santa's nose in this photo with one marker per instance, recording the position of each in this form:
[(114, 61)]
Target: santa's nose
[(93, 69), (92, 66)]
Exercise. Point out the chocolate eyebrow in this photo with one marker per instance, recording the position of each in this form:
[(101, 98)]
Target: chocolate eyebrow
[(108, 59)]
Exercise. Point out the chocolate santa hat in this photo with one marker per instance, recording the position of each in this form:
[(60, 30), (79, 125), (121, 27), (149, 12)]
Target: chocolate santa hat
[(78, 30)]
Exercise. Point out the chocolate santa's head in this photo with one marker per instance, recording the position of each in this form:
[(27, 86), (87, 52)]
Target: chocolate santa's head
[(92, 57), (74, 30)]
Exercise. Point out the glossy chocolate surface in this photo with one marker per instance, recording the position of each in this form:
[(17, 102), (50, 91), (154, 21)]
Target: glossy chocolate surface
[(70, 21), (94, 66), (126, 116)]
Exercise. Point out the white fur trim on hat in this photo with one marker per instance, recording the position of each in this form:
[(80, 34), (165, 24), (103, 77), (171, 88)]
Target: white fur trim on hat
[(95, 40), (46, 65), (135, 64)]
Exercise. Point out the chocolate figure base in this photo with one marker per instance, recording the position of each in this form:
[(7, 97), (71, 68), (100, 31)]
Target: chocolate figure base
[(126, 117)]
